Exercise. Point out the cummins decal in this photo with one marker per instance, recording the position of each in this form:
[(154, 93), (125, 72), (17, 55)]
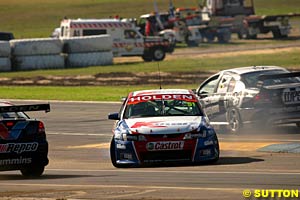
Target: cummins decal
[(18, 147), (15, 161)]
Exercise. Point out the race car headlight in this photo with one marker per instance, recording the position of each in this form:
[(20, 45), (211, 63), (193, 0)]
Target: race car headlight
[(199, 133), (121, 134), (130, 137)]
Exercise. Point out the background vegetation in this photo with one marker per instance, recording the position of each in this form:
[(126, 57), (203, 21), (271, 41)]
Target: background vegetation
[(38, 18)]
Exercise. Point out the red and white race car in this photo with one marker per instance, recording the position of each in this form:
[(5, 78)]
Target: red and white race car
[(166, 125)]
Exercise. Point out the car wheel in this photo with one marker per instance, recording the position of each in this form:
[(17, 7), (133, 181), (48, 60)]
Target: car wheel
[(216, 159), (298, 124), (277, 34), (242, 33), (158, 54), (33, 171), (147, 57), (113, 153), (234, 120), (224, 37)]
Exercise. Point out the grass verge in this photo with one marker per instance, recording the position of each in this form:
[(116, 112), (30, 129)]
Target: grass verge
[(110, 93), (286, 58)]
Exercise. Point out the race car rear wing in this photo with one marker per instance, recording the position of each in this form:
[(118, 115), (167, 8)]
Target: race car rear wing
[(262, 78), (25, 108)]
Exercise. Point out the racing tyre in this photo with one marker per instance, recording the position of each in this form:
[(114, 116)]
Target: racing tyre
[(33, 171), (158, 54), (113, 154), (234, 120)]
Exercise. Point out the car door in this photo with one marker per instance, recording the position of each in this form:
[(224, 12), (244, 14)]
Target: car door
[(208, 97), (223, 95), (133, 43)]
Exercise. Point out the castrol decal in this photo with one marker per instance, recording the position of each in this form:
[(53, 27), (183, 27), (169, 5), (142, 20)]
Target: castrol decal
[(162, 146)]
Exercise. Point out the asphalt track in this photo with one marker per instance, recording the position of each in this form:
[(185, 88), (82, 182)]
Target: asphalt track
[(80, 168)]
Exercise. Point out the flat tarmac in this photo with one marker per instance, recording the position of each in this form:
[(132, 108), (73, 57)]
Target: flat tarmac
[(79, 135)]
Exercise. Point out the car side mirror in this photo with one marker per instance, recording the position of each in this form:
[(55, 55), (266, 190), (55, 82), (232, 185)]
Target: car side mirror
[(202, 94), (114, 116)]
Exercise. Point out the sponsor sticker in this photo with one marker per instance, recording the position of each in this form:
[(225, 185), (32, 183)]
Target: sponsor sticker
[(15, 161), (18, 147), (291, 96), (145, 98), (161, 146)]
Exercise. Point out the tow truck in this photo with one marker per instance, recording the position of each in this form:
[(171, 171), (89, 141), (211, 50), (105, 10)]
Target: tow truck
[(189, 25), (241, 15)]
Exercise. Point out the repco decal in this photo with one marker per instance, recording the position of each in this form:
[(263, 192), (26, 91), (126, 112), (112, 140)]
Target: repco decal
[(18, 147), (160, 146)]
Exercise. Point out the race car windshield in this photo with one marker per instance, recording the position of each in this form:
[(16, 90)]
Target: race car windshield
[(251, 79), (13, 115), (157, 108)]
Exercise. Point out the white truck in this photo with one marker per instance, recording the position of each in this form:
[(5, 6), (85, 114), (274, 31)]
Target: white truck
[(127, 40)]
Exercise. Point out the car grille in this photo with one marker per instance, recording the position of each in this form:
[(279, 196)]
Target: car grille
[(174, 135), (160, 156)]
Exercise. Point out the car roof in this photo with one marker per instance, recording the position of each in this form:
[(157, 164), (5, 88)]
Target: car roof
[(5, 103), (160, 91), (244, 70)]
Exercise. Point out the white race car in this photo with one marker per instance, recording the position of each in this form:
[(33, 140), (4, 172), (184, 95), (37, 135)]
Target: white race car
[(166, 125)]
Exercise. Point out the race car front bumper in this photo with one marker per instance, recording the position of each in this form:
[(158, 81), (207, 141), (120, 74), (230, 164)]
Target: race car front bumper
[(136, 153)]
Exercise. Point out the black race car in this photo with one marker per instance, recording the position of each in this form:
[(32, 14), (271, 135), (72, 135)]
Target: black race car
[(23, 144), (264, 95)]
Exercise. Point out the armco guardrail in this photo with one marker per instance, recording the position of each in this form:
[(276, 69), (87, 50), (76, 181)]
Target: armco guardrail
[(52, 53), (5, 52)]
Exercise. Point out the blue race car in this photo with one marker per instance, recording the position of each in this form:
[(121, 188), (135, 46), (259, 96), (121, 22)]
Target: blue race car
[(23, 144)]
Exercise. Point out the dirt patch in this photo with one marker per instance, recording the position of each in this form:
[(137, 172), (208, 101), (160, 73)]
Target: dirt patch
[(112, 79), (137, 78)]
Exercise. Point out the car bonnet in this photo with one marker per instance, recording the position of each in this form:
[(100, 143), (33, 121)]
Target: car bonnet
[(164, 125)]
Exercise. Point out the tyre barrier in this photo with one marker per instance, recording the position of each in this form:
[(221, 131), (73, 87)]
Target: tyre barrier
[(38, 62), (5, 64), (87, 44), (5, 49), (37, 46), (89, 59)]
